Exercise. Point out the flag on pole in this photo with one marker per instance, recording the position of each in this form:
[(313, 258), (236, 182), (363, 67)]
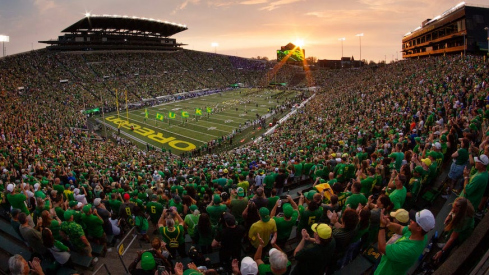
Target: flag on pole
[(172, 115), (184, 114), (198, 112), (209, 110), (146, 114), (127, 109), (117, 103), (159, 116)]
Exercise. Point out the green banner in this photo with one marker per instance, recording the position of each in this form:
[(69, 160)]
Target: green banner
[(91, 111)]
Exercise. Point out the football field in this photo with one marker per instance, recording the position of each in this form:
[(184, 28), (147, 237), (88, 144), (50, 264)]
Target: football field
[(182, 126)]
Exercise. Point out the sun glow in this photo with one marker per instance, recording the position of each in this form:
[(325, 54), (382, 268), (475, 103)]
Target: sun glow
[(299, 43)]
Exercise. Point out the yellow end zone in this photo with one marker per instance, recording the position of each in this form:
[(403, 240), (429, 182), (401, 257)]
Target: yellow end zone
[(158, 137)]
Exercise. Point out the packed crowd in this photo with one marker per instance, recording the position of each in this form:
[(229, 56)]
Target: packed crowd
[(372, 141), (94, 77)]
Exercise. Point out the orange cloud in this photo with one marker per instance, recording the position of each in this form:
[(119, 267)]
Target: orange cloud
[(253, 2), (276, 4)]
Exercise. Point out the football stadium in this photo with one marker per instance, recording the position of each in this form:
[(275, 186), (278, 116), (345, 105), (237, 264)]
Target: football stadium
[(124, 152), (203, 123)]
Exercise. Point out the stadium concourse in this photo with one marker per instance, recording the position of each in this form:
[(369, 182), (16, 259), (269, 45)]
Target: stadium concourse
[(374, 142)]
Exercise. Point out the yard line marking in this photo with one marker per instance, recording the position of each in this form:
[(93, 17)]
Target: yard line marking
[(180, 127)]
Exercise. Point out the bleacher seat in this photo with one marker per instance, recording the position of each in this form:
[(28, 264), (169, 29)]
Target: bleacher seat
[(66, 271), (358, 266), (13, 248), (7, 228), (98, 249), (110, 240), (81, 260)]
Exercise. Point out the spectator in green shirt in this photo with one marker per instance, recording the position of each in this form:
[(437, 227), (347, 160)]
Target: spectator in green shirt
[(355, 198), (475, 186), (154, 209), (368, 183), (398, 196), (75, 233), (284, 222), (191, 220), (238, 204), (215, 209), (94, 225), (173, 234), (399, 256), (115, 202)]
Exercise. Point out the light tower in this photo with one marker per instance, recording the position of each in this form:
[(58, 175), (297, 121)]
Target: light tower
[(342, 39), (360, 36), (215, 45), (3, 39)]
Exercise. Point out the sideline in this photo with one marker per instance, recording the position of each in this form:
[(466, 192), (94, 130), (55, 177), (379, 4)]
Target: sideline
[(285, 118)]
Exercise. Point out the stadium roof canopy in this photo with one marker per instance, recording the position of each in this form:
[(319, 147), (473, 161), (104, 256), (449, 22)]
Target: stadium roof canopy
[(126, 24)]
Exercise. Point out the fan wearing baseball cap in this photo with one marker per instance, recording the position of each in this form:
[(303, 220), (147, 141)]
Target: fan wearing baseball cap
[(148, 263), (126, 209), (286, 222), (316, 258), (215, 209), (264, 227), (475, 185), (399, 256)]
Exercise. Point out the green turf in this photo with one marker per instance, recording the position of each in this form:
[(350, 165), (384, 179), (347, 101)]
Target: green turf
[(181, 135)]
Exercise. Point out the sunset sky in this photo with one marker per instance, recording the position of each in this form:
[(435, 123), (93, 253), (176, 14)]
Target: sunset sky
[(246, 28)]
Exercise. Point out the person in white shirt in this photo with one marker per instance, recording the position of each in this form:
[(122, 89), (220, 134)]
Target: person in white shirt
[(80, 197)]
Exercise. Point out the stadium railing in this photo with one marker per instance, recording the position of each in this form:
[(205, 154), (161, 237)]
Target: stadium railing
[(100, 267), (121, 250)]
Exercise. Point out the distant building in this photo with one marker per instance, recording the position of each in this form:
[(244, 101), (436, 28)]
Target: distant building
[(344, 62), (291, 54), (458, 29)]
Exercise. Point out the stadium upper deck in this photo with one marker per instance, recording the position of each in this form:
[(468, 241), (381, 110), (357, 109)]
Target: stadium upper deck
[(458, 29), (115, 32)]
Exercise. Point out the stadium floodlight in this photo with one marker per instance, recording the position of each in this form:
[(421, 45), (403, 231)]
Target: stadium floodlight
[(342, 39), (215, 45), (360, 36), (3, 39)]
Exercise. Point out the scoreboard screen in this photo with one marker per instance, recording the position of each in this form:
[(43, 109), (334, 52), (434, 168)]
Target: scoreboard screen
[(293, 56)]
